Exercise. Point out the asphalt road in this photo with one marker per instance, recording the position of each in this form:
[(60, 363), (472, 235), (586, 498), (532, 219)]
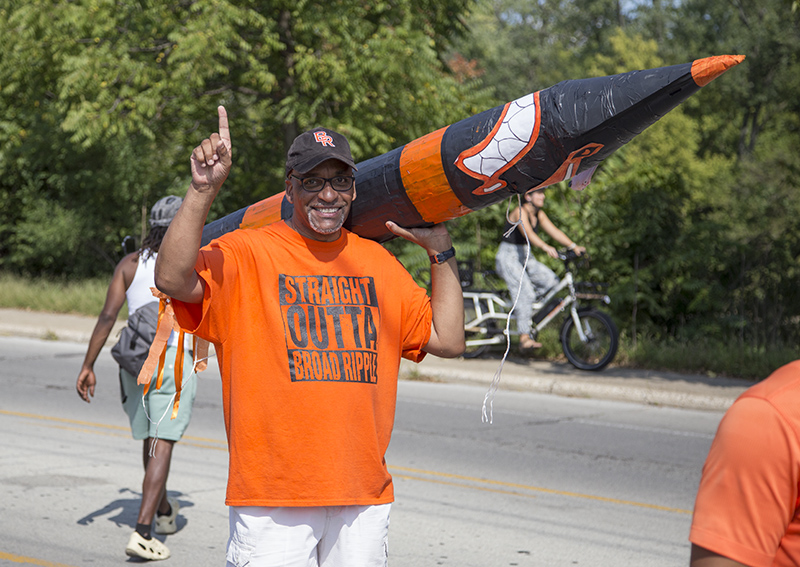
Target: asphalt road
[(552, 481)]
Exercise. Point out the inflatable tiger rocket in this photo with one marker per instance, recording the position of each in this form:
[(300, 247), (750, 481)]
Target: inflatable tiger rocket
[(559, 133)]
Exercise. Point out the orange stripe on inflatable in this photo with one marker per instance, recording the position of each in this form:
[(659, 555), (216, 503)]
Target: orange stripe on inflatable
[(706, 70), (263, 213), (425, 182)]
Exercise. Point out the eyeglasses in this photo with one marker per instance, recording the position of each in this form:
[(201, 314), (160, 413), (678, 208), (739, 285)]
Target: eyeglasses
[(340, 183)]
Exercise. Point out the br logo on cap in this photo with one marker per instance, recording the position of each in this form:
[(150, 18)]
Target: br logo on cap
[(324, 139)]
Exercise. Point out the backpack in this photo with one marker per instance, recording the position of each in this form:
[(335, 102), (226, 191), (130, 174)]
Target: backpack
[(135, 339)]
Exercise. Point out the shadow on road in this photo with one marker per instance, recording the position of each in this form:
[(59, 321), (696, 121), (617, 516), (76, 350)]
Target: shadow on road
[(125, 511)]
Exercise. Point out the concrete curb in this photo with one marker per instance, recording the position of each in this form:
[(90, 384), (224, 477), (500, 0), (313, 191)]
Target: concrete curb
[(52, 326), (661, 389)]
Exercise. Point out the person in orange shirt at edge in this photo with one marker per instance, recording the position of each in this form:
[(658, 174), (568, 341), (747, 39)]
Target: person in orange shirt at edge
[(309, 322), (747, 510)]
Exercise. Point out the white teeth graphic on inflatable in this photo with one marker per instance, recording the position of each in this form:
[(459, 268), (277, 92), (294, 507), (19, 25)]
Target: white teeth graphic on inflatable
[(510, 139)]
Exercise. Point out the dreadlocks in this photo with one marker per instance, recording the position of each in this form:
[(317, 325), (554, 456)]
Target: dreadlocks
[(152, 241)]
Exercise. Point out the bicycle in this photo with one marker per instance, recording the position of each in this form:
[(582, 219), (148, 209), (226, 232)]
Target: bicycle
[(589, 337)]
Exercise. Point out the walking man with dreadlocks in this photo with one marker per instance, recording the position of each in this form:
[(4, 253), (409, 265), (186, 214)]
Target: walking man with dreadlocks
[(131, 282)]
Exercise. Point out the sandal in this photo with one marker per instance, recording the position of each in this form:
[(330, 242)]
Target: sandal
[(150, 549), (166, 524)]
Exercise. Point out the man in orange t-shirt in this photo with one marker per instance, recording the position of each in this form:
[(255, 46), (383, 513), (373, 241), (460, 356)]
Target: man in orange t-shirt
[(309, 323), (746, 512)]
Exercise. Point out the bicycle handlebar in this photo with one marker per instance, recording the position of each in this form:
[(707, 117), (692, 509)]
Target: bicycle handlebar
[(568, 255)]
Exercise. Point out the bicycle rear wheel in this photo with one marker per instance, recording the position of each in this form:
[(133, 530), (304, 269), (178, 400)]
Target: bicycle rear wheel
[(474, 334), (600, 346)]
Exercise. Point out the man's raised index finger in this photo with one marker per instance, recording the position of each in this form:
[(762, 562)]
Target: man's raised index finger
[(224, 131)]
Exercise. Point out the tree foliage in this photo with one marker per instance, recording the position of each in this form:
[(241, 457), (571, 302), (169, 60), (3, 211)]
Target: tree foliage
[(102, 101)]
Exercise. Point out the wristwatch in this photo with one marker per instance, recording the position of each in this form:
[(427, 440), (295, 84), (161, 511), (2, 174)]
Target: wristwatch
[(443, 257)]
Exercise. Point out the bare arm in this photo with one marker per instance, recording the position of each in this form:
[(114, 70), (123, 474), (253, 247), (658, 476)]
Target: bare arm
[(557, 235), (177, 255), (702, 557), (115, 297), (447, 301), (526, 226)]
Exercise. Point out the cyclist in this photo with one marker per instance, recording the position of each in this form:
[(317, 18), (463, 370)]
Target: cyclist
[(511, 254)]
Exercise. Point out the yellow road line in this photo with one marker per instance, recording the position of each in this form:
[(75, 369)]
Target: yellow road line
[(531, 488), (477, 483), (472, 487), (198, 441), (31, 560), (62, 420)]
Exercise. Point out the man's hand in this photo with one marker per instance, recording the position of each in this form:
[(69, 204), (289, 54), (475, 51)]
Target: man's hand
[(435, 239), (211, 160), (447, 301), (85, 384), (177, 255)]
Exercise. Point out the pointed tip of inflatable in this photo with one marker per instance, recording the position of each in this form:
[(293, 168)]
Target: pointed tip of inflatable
[(706, 70)]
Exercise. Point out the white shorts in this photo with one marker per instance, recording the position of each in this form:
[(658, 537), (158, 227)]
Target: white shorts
[(325, 536)]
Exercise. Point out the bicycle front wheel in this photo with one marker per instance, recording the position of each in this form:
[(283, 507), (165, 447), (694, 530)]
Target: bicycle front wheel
[(600, 344)]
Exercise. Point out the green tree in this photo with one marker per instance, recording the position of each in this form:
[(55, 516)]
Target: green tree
[(769, 36), (103, 100), (755, 120), (524, 46)]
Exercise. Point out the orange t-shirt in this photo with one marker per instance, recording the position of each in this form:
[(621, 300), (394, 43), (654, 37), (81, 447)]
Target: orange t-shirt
[(747, 503), (309, 337)]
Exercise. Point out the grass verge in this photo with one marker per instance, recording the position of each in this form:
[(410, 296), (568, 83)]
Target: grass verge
[(80, 297), (710, 357)]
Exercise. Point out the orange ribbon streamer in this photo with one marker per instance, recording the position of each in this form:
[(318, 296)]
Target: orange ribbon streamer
[(156, 357)]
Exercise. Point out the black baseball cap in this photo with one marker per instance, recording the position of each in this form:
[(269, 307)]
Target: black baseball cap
[(313, 147)]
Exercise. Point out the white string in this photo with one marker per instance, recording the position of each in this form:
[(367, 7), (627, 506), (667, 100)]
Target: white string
[(169, 406), (487, 415), (152, 451), (196, 363)]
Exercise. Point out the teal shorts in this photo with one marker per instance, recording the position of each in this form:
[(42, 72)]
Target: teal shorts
[(152, 418)]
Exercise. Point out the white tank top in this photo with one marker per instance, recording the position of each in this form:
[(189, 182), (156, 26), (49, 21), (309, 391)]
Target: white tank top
[(138, 293)]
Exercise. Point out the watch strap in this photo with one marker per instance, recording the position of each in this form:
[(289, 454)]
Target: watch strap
[(443, 257)]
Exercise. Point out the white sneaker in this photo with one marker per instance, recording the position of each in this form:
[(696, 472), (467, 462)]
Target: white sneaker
[(150, 549), (166, 524)]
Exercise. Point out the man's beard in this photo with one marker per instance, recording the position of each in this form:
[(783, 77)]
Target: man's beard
[(326, 230)]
